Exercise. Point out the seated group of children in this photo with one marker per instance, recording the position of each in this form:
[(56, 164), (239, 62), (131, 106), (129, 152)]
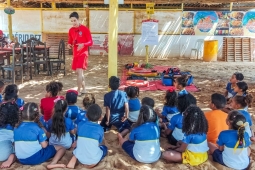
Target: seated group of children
[(191, 133)]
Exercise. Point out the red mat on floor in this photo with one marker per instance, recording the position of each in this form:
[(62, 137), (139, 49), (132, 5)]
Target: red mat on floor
[(154, 84)]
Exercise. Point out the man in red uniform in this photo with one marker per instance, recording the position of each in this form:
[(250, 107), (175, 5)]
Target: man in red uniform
[(79, 39)]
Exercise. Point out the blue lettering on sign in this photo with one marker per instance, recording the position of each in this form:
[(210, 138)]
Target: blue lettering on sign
[(24, 37)]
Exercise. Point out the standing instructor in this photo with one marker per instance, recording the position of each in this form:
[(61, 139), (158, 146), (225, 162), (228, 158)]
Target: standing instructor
[(79, 38)]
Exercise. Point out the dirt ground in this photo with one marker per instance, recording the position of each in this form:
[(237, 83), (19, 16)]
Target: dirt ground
[(209, 77)]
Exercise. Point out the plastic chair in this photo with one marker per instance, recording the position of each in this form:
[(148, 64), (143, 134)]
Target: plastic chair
[(197, 48)]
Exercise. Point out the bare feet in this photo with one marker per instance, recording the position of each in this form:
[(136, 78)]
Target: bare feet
[(51, 166), (72, 163), (8, 162)]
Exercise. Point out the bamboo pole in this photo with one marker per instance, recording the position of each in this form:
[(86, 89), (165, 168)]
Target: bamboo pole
[(113, 38), (10, 22)]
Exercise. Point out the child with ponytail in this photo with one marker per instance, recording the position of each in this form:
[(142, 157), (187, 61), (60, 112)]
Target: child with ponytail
[(31, 147), (61, 128), (233, 144), (180, 83)]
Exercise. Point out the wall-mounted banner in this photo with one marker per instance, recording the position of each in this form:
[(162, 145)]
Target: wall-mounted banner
[(100, 44), (25, 36), (150, 32), (236, 23)]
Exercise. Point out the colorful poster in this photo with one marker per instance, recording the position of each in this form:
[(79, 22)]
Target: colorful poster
[(222, 27), (187, 23), (249, 23), (236, 23), (150, 32), (100, 44)]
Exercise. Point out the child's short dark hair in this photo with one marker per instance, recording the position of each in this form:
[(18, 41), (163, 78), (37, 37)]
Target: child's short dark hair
[(9, 114), (114, 82), (243, 86), (53, 88), (148, 101), (94, 112), (11, 92), (74, 14), (30, 111), (183, 80), (88, 101), (218, 100), (171, 98), (184, 101), (146, 114), (239, 76), (71, 96), (132, 91), (1, 84), (194, 121)]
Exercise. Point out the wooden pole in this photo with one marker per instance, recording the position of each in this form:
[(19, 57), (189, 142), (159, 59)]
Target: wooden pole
[(113, 38), (10, 21), (53, 5), (231, 6)]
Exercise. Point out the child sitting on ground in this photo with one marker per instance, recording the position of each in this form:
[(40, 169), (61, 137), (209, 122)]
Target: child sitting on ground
[(11, 94), (134, 106), (173, 130), (88, 100), (31, 147), (239, 103), (233, 145), (216, 118), (143, 144), (89, 150), (236, 77), (240, 89), (9, 117), (193, 148), (60, 128), (169, 109), (72, 110), (47, 103), (148, 101), (180, 83), (1, 91), (116, 105)]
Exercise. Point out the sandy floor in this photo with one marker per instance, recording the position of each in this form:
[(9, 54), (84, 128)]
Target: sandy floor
[(209, 78)]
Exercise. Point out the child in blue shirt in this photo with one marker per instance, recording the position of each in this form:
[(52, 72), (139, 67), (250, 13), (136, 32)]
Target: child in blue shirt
[(72, 110), (239, 103), (87, 101), (1, 91), (233, 145), (89, 150), (169, 109), (61, 128), (236, 77), (116, 104), (143, 144), (9, 117), (173, 130), (134, 106), (11, 94), (31, 147), (193, 148), (180, 83)]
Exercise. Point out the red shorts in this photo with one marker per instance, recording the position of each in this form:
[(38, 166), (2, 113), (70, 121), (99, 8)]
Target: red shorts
[(80, 60)]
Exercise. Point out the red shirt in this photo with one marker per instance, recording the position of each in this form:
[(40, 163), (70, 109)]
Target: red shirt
[(78, 35), (47, 105)]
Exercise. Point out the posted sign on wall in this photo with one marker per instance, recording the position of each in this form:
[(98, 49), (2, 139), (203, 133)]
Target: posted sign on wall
[(150, 32)]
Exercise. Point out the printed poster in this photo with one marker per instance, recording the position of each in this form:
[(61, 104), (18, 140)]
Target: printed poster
[(199, 22), (249, 23), (222, 27), (150, 32), (100, 44), (236, 23)]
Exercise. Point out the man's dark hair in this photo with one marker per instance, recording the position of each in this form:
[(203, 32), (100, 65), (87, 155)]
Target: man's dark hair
[(74, 14), (218, 100)]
